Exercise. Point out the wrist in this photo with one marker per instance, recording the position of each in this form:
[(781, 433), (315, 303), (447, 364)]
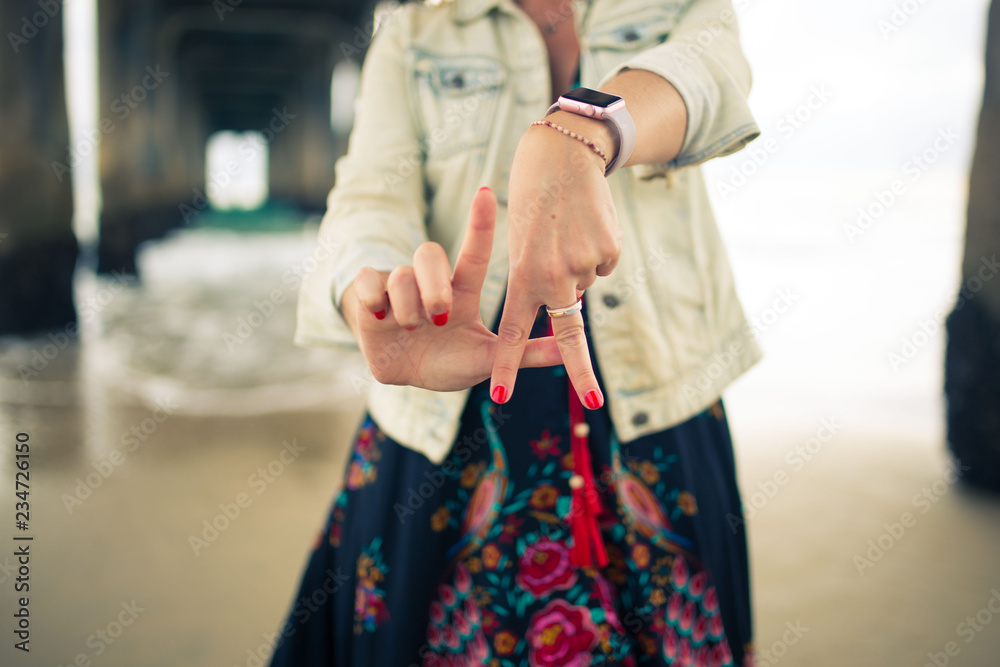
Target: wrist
[(594, 129), (550, 141)]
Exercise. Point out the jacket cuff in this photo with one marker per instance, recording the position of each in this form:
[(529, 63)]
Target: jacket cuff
[(719, 121), (320, 322)]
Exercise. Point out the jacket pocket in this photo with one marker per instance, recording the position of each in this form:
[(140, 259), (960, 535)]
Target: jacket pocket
[(456, 101), (617, 38), (637, 30)]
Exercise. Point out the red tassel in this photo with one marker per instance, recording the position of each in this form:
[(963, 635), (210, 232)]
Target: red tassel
[(580, 552), (586, 507), (586, 504)]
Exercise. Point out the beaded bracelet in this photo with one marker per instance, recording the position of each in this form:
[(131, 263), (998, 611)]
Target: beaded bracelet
[(573, 135)]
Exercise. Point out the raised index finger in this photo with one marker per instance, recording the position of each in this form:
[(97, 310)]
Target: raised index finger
[(474, 257)]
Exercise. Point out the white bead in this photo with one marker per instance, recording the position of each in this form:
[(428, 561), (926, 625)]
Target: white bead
[(576, 482), (581, 430)]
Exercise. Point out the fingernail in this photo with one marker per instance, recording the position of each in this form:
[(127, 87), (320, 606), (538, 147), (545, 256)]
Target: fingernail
[(499, 393), (440, 320), (485, 187), (413, 328), (592, 400), (380, 315)]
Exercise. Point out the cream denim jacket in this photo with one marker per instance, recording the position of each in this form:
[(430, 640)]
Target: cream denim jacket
[(446, 93)]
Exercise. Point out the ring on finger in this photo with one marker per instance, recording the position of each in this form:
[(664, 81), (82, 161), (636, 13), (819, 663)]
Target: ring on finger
[(568, 310)]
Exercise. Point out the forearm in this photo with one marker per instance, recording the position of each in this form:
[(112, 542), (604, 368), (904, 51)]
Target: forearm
[(658, 112)]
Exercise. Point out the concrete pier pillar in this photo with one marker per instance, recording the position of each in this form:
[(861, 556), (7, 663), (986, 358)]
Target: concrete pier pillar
[(38, 250), (972, 365)]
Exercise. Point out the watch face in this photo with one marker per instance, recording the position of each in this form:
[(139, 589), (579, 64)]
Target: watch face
[(588, 96)]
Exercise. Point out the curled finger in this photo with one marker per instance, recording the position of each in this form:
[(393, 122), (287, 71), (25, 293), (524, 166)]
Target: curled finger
[(369, 289), (404, 297), (433, 275)]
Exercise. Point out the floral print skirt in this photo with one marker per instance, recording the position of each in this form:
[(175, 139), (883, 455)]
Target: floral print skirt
[(467, 562)]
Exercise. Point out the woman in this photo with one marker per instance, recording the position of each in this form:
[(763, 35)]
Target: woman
[(487, 517)]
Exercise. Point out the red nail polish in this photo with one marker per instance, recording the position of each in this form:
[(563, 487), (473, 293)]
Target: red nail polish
[(380, 315), (413, 328), (440, 320), (485, 187), (499, 393), (592, 400)]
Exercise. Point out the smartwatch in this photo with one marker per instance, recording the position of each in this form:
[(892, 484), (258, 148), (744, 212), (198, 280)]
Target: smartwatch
[(610, 108)]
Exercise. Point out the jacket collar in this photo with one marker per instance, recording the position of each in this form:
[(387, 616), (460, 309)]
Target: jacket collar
[(465, 11), (469, 10)]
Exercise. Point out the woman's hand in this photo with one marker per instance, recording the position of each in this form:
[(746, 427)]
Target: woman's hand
[(420, 326), (562, 233)]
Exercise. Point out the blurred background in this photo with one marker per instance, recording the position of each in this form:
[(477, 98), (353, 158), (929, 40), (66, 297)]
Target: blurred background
[(163, 167)]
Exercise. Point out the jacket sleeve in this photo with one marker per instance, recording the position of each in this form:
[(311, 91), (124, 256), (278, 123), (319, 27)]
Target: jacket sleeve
[(376, 212), (703, 60)]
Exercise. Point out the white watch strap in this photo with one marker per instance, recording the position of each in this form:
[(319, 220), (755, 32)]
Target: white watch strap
[(621, 121)]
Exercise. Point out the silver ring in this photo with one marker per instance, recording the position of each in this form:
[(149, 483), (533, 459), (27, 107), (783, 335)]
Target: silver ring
[(568, 310)]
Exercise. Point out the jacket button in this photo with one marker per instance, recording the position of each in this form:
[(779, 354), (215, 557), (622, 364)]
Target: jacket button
[(611, 301), (639, 418)]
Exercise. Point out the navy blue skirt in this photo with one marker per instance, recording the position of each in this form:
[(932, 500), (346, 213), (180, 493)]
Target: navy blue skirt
[(467, 562)]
